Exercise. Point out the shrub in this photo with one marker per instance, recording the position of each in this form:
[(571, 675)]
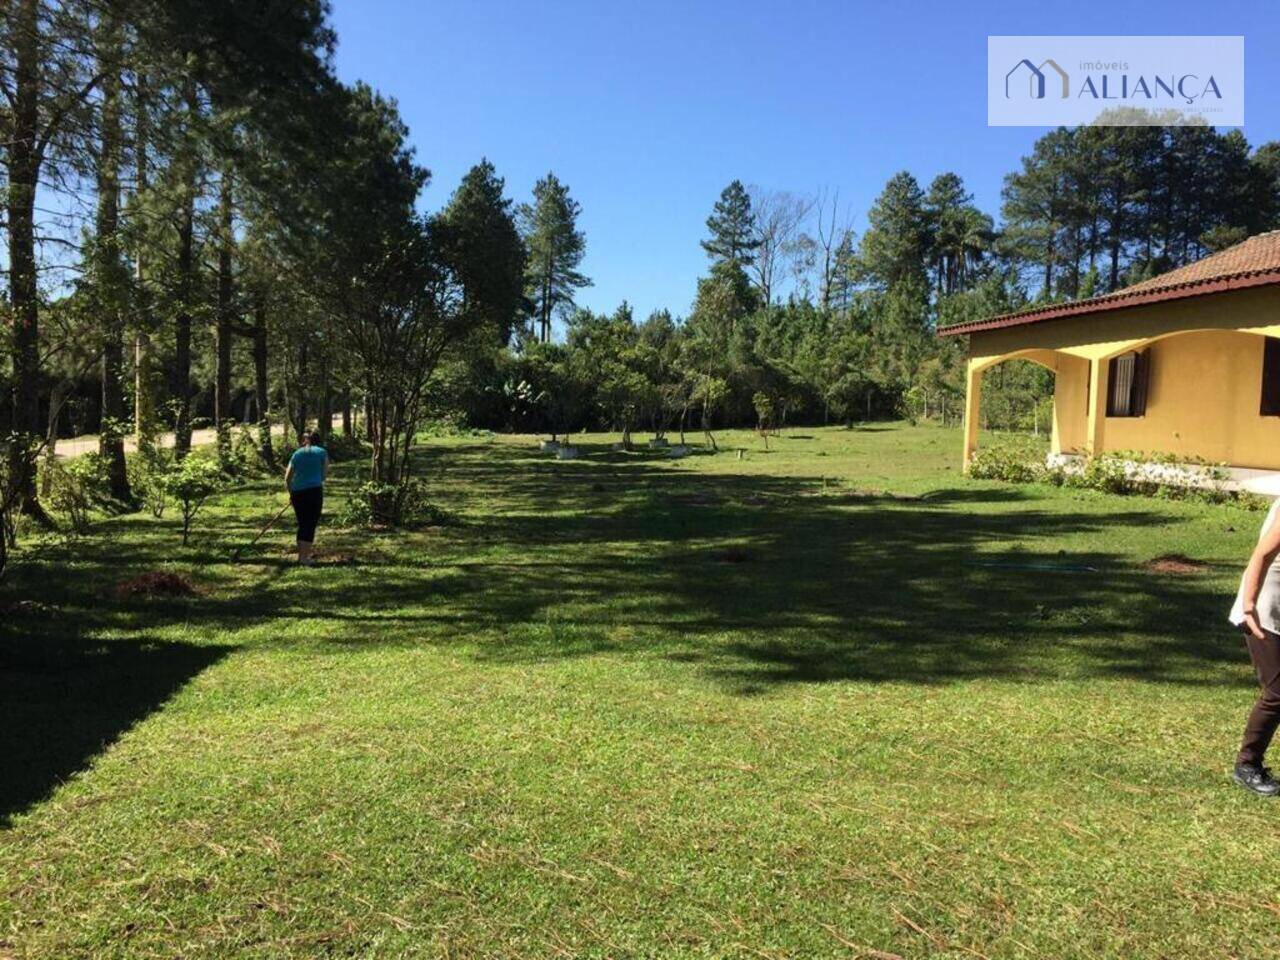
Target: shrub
[(358, 511), (191, 482), (765, 410), (1107, 473), (284, 445), (343, 447), (1160, 475), (1253, 501), (1013, 459), (388, 505), (417, 509), (246, 455), (1124, 472), (340, 447), (75, 485), (14, 449), (147, 478), (451, 425)]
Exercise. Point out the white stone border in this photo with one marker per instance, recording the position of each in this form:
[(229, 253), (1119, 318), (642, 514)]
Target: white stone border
[(1265, 483)]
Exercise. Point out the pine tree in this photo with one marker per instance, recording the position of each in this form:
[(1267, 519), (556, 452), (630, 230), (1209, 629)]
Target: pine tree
[(960, 234), (484, 247), (896, 245), (1035, 203), (733, 227), (838, 293), (555, 249), (1264, 168)]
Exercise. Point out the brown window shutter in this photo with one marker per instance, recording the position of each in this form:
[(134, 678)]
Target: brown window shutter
[(1111, 386), (1141, 382), (1270, 377)]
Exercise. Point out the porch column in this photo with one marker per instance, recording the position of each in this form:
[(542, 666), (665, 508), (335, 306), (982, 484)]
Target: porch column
[(972, 398), (1097, 418)]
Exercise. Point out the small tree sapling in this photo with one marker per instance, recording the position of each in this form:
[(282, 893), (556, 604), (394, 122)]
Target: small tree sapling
[(191, 482)]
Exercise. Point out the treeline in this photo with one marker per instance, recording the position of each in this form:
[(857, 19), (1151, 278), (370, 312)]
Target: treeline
[(1095, 208), (800, 318)]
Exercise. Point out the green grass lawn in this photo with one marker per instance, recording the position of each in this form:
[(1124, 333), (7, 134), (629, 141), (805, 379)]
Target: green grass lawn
[(829, 700)]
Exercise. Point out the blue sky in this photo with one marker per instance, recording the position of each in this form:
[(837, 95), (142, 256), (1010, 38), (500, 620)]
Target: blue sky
[(647, 110)]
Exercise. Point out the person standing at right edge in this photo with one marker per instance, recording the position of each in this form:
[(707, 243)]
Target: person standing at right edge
[(1257, 614)]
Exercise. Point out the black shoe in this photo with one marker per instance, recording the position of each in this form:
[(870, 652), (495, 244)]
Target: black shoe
[(1255, 777)]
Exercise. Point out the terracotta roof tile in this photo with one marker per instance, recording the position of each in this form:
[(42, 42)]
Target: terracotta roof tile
[(1253, 262)]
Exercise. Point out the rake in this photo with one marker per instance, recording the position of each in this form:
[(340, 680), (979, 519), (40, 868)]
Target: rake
[(261, 533)]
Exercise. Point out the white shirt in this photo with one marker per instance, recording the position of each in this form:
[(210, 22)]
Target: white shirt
[(1269, 596)]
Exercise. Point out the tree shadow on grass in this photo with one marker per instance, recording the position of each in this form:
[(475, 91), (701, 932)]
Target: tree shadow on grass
[(884, 592), (63, 701), (759, 581), (754, 581)]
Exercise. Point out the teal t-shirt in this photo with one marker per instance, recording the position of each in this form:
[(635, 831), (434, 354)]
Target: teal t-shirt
[(308, 468)]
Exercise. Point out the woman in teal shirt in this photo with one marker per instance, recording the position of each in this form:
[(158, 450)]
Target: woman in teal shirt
[(305, 478)]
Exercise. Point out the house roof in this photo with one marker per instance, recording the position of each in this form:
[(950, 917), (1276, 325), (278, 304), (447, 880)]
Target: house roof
[(1252, 263)]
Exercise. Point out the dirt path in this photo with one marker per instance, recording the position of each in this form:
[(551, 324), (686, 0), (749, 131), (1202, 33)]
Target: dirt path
[(88, 443)]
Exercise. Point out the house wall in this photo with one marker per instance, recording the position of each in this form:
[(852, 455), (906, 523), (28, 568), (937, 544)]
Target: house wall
[(1070, 405), (1206, 376), (1203, 401)]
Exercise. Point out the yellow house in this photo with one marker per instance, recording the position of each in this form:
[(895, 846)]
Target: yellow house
[(1186, 363)]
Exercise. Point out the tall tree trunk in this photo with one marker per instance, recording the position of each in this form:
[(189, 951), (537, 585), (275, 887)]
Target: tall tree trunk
[(346, 415), (1048, 272), (1116, 241), (181, 387), (144, 397), (57, 397), (828, 273), (110, 279), (224, 320), (546, 304), (1075, 263), (326, 404), (23, 168), (1115, 264), (303, 413), (261, 386)]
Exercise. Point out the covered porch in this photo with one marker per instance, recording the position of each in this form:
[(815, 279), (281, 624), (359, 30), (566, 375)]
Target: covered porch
[(1184, 367)]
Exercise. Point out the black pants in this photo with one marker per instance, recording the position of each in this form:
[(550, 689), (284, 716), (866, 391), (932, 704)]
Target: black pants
[(1265, 715), (307, 505)]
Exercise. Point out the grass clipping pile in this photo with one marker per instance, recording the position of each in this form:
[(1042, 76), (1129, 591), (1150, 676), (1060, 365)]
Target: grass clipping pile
[(1176, 564), (157, 583)]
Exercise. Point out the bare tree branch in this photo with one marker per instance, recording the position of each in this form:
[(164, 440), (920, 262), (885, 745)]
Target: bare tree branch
[(779, 214)]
